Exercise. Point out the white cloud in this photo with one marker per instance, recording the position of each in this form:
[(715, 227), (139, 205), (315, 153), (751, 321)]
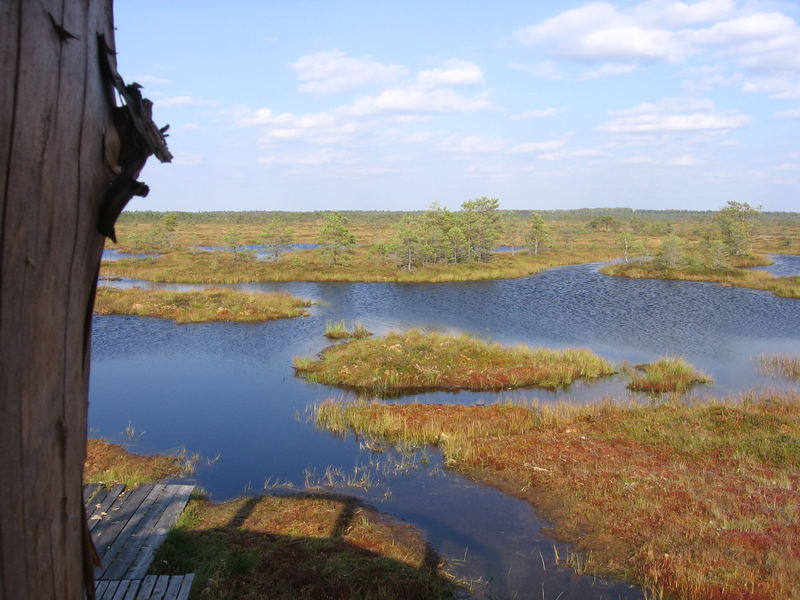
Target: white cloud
[(179, 101), (152, 80), (582, 153), (664, 31), (545, 146), (599, 32), (454, 72), (413, 99), (607, 70), (675, 115), (470, 144), (685, 160), (792, 113), (778, 88), (542, 113), (191, 126), (333, 71)]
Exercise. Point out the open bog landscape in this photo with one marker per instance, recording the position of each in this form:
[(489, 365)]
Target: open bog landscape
[(484, 467), (443, 300)]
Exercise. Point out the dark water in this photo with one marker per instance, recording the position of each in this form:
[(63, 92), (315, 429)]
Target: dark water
[(228, 390), (114, 254), (784, 265)]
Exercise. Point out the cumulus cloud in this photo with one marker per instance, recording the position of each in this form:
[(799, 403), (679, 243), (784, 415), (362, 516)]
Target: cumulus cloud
[(542, 113), (332, 72), (777, 88), (664, 31), (453, 72), (674, 115), (607, 70), (532, 147), (792, 113), (470, 144), (180, 101), (415, 99)]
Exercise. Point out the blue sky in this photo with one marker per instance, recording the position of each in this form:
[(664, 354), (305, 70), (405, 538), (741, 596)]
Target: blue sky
[(311, 105)]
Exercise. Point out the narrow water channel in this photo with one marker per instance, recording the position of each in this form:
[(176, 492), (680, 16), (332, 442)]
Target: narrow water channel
[(227, 390)]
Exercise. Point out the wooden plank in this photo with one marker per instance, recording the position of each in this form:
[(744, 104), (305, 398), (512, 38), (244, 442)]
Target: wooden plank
[(160, 587), (186, 587), (108, 594), (174, 587), (104, 536), (169, 516), (133, 589), (101, 509), (126, 547), (89, 490), (122, 590), (100, 588), (146, 589)]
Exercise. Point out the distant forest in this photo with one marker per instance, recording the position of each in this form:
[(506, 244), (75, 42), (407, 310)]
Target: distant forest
[(377, 217)]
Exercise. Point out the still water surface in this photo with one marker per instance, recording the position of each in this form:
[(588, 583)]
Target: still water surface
[(228, 390)]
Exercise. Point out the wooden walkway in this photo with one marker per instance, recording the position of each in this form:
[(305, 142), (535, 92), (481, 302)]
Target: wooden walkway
[(127, 528)]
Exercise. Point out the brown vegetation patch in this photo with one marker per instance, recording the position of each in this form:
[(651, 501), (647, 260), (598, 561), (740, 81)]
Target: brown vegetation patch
[(301, 546), (414, 360), (697, 500), (215, 304), (110, 464)]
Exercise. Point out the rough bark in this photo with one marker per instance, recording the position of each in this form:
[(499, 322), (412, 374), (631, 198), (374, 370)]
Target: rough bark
[(57, 149)]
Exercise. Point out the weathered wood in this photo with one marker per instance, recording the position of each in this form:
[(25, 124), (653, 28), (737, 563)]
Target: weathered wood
[(133, 590), (137, 520), (122, 590), (126, 562), (102, 508), (168, 517), (161, 586), (186, 587), (104, 535), (56, 110)]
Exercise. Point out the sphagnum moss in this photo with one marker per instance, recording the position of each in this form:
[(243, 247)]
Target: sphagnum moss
[(414, 360)]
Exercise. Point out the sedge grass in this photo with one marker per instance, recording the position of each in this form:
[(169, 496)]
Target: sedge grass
[(410, 361), (670, 374), (783, 365), (110, 464), (300, 547), (696, 499), (337, 330), (788, 287), (215, 304)]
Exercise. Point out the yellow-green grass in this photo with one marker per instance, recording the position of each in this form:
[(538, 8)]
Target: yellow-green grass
[(416, 361), (788, 287), (215, 304), (300, 547), (783, 365), (670, 374), (337, 330), (697, 500), (188, 266), (110, 464)]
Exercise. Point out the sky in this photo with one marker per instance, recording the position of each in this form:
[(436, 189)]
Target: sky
[(378, 105)]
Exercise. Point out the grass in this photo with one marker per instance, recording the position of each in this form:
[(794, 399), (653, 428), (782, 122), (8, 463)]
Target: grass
[(337, 330), (697, 500), (412, 361), (110, 464), (214, 304), (300, 546), (671, 374), (783, 365), (788, 287), (190, 266)]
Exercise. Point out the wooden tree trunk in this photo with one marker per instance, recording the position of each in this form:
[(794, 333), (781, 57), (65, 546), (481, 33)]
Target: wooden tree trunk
[(57, 165)]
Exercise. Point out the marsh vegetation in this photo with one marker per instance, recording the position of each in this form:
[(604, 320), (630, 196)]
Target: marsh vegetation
[(416, 360), (692, 500), (670, 374), (214, 304)]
